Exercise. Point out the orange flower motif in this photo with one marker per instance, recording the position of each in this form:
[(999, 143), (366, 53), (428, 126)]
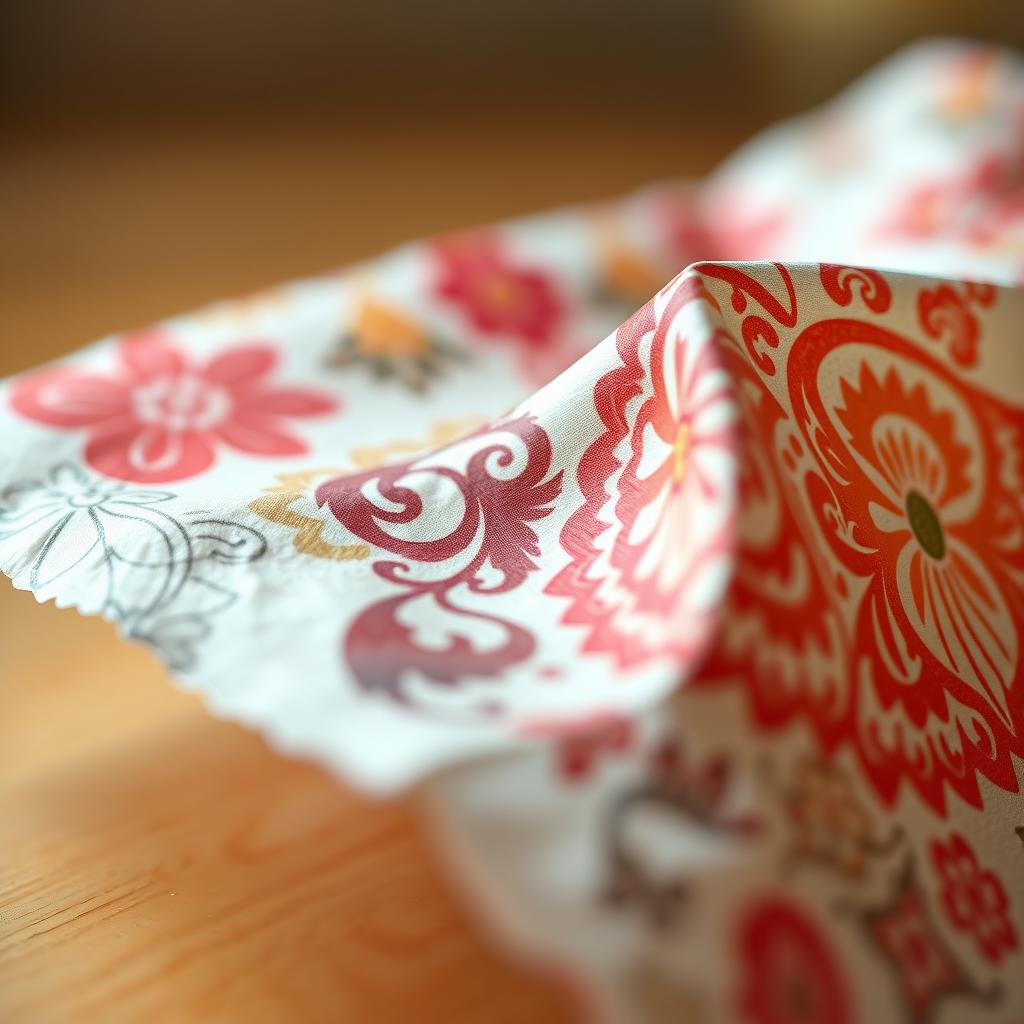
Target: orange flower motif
[(629, 275), (971, 87), (392, 345), (381, 331), (915, 498)]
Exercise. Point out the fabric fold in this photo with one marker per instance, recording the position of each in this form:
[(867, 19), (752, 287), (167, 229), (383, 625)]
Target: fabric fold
[(702, 642), (767, 839), (420, 586)]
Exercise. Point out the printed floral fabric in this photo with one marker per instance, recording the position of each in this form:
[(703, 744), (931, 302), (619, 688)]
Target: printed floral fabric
[(703, 641)]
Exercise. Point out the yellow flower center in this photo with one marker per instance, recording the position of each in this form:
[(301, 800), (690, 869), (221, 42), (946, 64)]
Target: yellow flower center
[(500, 291)]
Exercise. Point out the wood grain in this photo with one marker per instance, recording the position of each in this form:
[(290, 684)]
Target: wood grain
[(164, 866), (156, 864)]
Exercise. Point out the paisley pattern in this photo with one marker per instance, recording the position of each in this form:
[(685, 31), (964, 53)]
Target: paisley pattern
[(910, 501), (878, 489), (858, 713)]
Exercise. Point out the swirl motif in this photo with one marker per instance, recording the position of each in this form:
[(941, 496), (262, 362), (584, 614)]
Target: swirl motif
[(754, 328), (839, 282), (458, 519), (945, 314)]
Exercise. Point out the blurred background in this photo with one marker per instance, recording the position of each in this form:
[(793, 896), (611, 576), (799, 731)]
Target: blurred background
[(156, 155), (159, 154)]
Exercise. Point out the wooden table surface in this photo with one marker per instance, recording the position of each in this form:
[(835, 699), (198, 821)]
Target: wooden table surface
[(156, 864)]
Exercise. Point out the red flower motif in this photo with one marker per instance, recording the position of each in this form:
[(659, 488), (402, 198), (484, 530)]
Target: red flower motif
[(497, 296), (160, 417), (791, 975), (905, 936), (652, 544), (974, 899)]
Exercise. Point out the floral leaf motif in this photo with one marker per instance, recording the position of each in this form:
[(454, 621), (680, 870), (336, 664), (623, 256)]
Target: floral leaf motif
[(118, 554)]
